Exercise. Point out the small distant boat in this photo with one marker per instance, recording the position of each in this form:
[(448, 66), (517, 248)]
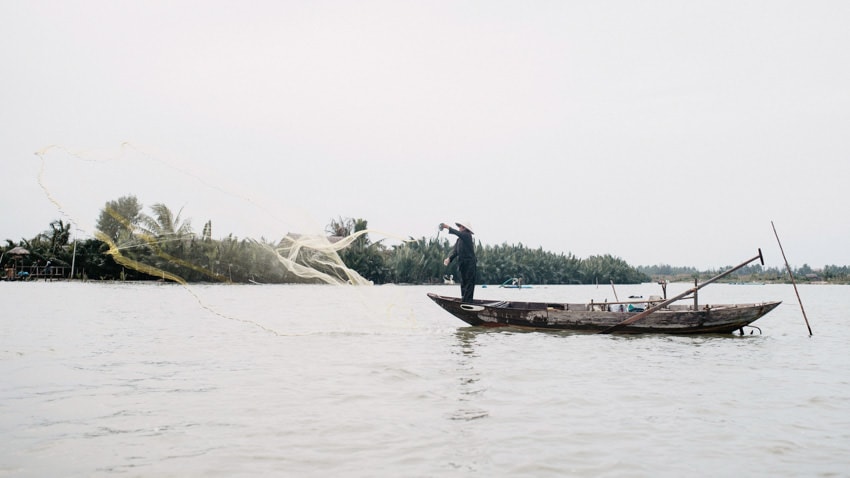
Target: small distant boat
[(514, 283)]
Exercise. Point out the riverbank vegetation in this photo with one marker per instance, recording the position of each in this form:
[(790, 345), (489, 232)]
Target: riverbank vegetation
[(160, 245)]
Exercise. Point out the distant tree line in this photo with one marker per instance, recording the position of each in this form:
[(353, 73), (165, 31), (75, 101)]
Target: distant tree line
[(161, 245), (749, 273)]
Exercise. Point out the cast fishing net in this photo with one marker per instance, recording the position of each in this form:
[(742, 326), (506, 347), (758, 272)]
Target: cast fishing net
[(143, 206)]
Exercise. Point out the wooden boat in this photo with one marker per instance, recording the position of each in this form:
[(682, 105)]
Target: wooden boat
[(652, 316), (600, 317)]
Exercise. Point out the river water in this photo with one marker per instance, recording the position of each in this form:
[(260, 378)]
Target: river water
[(128, 379)]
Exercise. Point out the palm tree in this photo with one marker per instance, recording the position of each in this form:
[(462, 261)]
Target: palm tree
[(340, 227), (167, 236), (163, 223), (58, 235)]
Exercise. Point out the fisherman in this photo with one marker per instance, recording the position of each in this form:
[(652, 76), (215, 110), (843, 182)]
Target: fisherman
[(464, 252)]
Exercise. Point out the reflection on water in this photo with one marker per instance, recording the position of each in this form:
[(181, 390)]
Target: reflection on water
[(468, 377)]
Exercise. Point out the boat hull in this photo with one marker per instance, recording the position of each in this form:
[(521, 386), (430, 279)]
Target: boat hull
[(681, 319)]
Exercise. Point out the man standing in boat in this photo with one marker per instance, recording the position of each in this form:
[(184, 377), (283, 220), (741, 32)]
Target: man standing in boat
[(464, 252)]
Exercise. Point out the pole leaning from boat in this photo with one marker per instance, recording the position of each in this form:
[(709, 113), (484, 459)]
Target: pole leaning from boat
[(667, 302), (791, 275)]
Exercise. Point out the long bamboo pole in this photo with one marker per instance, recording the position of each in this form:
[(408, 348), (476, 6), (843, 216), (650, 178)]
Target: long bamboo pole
[(791, 274), (667, 302)]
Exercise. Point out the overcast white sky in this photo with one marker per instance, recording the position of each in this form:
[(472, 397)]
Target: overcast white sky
[(657, 131)]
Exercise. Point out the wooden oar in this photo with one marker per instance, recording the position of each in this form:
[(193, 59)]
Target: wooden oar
[(791, 274), (667, 302)]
